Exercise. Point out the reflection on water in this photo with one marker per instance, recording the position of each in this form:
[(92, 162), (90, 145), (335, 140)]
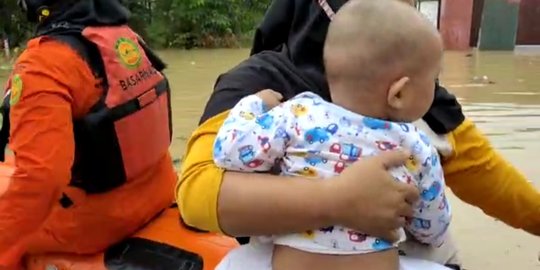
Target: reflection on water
[(499, 90), (509, 126), (494, 77)]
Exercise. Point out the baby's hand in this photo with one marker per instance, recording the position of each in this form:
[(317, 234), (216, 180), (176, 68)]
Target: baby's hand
[(270, 97)]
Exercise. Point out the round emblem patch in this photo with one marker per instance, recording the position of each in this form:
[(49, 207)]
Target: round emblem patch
[(128, 53), (16, 89)]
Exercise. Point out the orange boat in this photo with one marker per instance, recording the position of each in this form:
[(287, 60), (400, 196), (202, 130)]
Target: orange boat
[(165, 243)]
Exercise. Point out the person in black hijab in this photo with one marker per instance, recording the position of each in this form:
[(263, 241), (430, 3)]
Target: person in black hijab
[(286, 57)]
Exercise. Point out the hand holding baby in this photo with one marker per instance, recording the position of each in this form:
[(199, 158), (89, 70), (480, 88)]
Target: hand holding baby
[(270, 97)]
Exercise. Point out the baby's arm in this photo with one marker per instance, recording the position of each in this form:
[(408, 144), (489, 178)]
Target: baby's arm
[(432, 214), (250, 138)]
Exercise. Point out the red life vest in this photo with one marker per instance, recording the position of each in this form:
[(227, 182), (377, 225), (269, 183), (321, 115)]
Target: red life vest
[(129, 129)]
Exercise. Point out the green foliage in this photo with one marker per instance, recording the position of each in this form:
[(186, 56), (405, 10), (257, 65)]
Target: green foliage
[(172, 23), (202, 23), (15, 26)]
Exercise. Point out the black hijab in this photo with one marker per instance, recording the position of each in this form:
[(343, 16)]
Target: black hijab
[(77, 12), (301, 25)]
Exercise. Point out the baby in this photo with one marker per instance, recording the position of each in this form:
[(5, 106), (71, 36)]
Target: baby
[(382, 58)]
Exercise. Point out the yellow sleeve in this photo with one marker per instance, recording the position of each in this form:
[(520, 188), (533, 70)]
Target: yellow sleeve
[(475, 172), (198, 188), (480, 176)]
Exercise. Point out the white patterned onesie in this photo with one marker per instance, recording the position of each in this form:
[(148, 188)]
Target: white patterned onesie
[(307, 136)]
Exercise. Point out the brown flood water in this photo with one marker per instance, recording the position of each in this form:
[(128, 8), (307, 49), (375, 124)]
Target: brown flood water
[(499, 91), (506, 105)]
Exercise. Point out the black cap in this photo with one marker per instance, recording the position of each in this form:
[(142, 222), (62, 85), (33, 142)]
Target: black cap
[(35, 9), (81, 12)]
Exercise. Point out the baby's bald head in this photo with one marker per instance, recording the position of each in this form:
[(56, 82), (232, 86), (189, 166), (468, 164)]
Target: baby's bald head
[(382, 53), (369, 40)]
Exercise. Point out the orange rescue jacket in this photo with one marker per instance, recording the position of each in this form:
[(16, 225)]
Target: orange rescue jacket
[(91, 155)]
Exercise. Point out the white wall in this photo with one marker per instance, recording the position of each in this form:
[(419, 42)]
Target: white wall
[(429, 9)]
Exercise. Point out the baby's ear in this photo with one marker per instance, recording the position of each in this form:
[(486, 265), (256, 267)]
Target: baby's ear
[(394, 97)]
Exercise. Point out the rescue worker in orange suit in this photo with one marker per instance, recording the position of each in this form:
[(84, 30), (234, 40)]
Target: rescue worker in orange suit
[(89, 124), (287, 57)]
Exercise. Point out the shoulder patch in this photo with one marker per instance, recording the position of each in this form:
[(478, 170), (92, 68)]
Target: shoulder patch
[(128, 52), (16, 89)]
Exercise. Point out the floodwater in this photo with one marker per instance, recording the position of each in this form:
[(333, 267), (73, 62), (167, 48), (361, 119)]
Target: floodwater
[(500, 91)]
